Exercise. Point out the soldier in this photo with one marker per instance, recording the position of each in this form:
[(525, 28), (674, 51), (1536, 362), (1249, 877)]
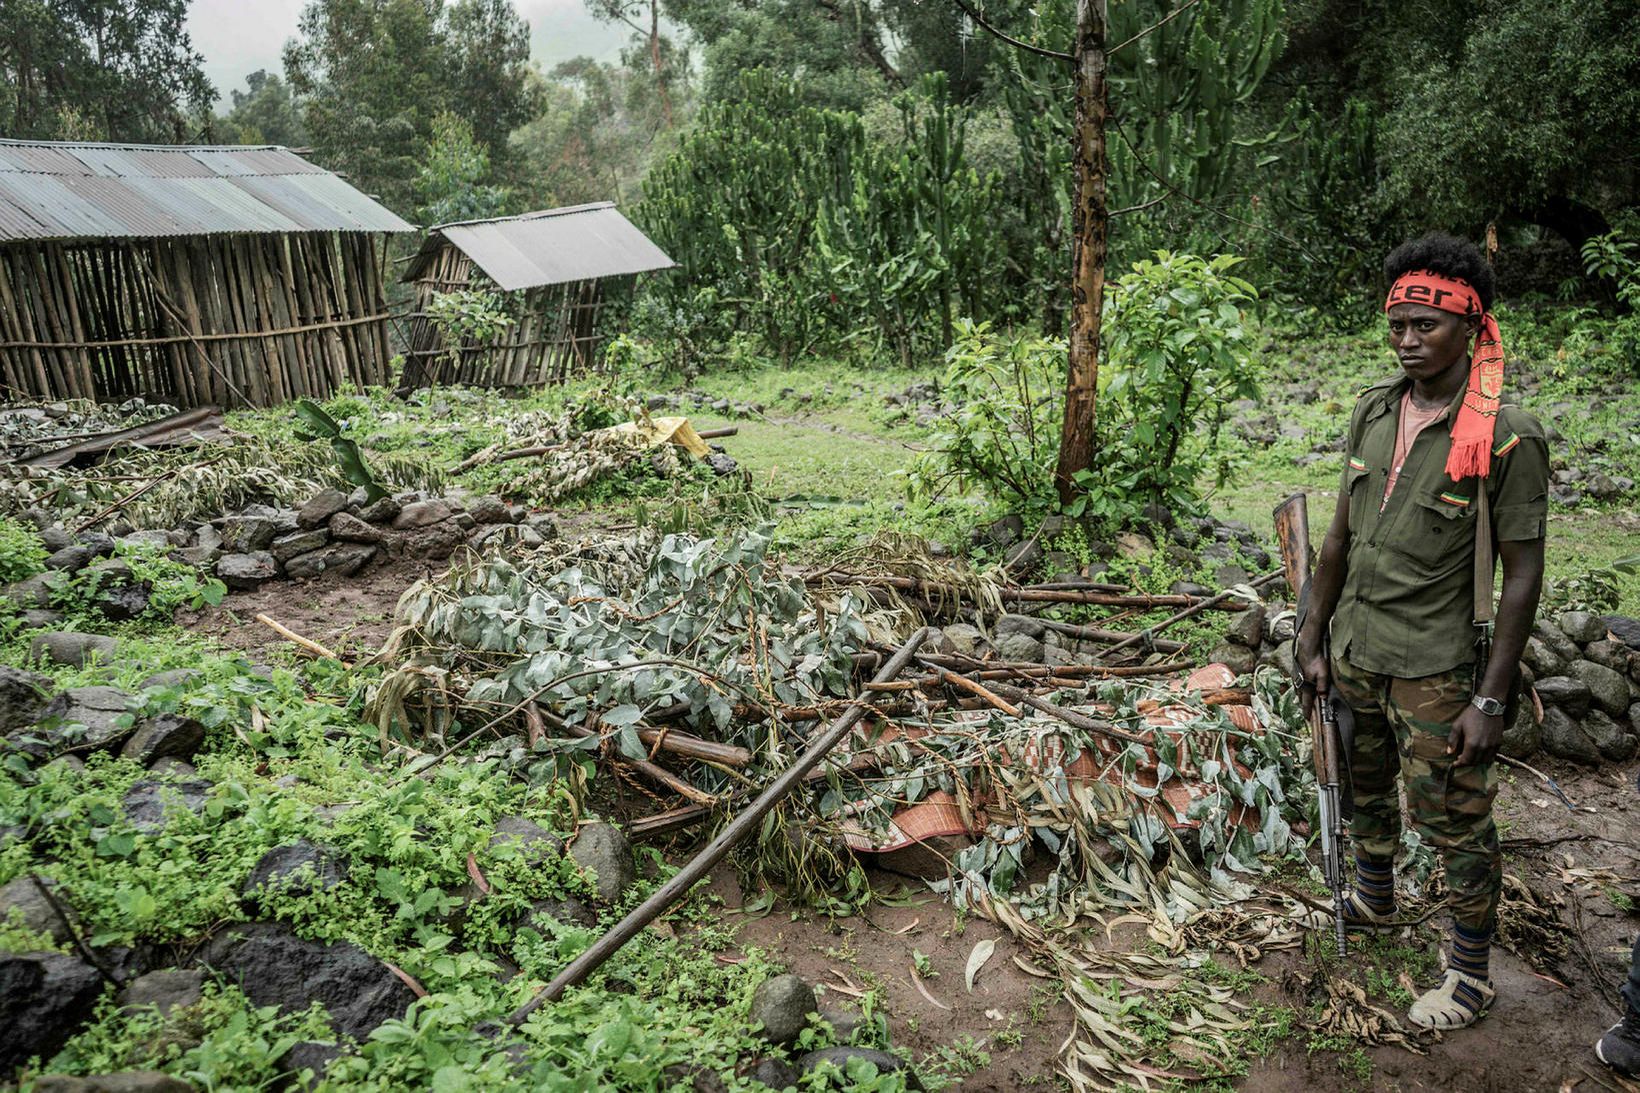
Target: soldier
[(1395, 589)]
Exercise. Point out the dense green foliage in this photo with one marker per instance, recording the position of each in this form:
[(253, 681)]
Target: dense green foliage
[(100, 70), (798, 225), (372, 77), (1180, 353)]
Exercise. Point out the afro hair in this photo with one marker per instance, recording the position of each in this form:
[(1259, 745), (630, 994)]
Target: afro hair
[(1446, 255)]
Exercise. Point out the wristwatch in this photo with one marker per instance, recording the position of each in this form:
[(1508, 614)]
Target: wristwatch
[(1491, 707)]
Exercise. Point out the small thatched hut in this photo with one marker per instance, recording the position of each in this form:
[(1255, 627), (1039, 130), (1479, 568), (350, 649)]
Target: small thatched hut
[(190, 275), (554, 265)]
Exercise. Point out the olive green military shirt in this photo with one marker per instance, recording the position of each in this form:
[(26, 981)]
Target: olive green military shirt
[(1408, 602)]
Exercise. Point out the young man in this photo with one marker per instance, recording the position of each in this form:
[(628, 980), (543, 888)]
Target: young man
[(1395, 591)]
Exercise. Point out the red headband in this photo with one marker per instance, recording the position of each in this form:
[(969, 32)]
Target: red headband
[(1432, 290), (1472, 431)]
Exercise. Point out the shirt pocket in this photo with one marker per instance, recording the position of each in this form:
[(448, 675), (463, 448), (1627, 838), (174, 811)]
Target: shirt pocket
[(1356, 481), (1437, 533)]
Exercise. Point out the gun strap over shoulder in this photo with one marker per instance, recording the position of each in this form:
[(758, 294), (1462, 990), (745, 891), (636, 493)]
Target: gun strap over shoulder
[(1485, 562)]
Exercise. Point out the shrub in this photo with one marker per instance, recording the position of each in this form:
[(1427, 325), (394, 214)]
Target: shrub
[(1004, 435), (1177, 353), (21, 552)]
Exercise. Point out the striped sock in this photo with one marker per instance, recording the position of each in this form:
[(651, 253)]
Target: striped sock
[(1471, 952), (1375, 885)]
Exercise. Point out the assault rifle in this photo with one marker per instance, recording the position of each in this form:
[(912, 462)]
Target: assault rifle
[(1293, 535)]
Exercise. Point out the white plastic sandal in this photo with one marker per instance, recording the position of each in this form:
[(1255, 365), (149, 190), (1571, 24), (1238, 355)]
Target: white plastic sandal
[(1358, 916), (1458, 1002)]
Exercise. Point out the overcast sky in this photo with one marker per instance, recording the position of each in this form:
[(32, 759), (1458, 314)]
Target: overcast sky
[(238, 37)]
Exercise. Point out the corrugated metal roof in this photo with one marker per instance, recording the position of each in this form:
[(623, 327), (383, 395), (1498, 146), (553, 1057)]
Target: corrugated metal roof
[(52, 190), (579, 243)]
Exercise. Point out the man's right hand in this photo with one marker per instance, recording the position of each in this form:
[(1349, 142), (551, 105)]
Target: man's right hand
[(1315, 675)]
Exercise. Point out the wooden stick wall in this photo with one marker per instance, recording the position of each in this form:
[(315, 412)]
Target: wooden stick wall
[(554, 333), (231, 320)]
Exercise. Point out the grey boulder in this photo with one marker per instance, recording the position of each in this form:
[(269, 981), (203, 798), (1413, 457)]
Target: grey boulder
[(246, 572), (1581, 626), (300, 868), (1247, 627), (72, 649), (44, 998), (81, 719), (343, 559), (1567, 692), (1563, 736), (324, 504), (164, 990), (164, 736), (840, 1056), (24, 698), (248, 534), (289, 546), (1608, 689), (604, 852), (1018, 648), (274, 967), (22, 896), (782, 1005), (151, 801)]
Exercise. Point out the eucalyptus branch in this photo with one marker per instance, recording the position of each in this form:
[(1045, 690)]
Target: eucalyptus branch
[(1159, 24), (979, 20)]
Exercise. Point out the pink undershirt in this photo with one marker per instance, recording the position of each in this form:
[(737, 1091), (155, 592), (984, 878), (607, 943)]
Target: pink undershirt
[(1412, 422)]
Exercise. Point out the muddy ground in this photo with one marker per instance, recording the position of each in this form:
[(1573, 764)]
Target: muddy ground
[(1539, 1035)]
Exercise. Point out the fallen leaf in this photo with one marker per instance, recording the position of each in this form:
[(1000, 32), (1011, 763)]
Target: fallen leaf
[(478, 877), (976, 960), (917, 981), (409, 980)]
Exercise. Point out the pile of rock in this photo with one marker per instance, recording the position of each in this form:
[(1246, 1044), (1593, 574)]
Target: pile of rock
[(67, 726), (333, 532), (336, 532), (1225, 547), (1585, 670)]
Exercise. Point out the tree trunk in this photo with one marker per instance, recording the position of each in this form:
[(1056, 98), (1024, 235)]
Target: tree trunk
[(1091, 225)]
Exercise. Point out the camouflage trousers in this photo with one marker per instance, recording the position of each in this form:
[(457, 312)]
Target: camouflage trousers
[(1405, 724)]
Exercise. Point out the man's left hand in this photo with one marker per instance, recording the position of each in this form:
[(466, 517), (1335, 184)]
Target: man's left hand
[(1475, 737)]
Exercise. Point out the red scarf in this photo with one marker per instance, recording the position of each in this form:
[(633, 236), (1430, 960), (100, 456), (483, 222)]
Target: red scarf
[(1471, 452)]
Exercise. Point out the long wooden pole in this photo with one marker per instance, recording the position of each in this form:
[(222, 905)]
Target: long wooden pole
[(740, 827)]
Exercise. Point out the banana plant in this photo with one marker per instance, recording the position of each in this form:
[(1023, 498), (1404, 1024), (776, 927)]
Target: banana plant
[(314, 424)]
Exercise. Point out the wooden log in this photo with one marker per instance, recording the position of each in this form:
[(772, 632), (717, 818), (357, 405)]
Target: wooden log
[(737, 830), (657, 774), (1094, 633), (1194, 609)]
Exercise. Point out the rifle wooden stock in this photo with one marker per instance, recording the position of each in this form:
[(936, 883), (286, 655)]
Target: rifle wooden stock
[(1292, 520)]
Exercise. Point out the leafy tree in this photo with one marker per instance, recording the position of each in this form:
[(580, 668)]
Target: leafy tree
[(600, 127), (101, 70), (1470, 140), (449, 185), (264, 113), (487, 51), (372, 75), (836, 52), (367, 73), (1165, 81)]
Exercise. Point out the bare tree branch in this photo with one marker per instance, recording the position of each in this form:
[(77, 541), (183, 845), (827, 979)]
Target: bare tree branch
[(979, 21), (1166, 19), (1141, 206)]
